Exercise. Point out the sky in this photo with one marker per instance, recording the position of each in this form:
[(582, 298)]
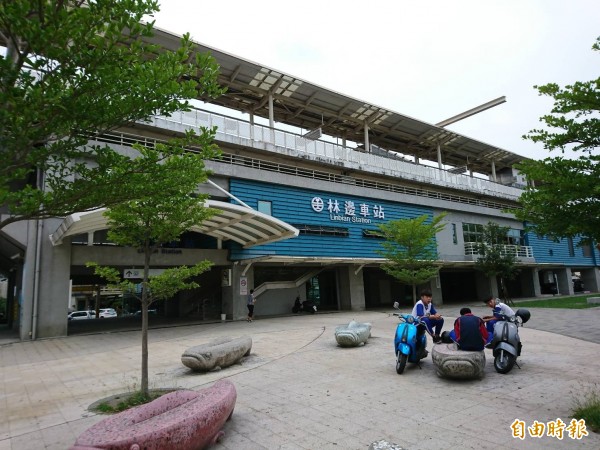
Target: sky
[(427, 59)]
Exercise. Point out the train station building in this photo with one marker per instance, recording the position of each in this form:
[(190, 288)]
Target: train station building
[(306, 176)]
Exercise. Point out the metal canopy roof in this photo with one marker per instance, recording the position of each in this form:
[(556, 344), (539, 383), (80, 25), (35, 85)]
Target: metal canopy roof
[(309, 106), (238, 223)]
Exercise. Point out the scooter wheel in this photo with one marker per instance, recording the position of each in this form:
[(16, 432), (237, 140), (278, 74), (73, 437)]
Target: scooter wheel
[(401, 363), (504, 362)]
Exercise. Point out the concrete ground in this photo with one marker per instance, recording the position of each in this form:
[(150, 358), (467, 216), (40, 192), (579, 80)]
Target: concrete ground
[(299, 390)]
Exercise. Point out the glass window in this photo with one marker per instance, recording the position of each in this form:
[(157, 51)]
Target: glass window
[(514, 237), (472, 232), (264, 207), (454, 236), (322, 230), (571, 247)]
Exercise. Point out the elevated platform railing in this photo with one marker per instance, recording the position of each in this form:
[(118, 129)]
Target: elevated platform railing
[(286, 143)]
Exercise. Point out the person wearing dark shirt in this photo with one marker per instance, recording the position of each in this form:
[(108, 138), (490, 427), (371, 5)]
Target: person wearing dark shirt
[(469, 331)]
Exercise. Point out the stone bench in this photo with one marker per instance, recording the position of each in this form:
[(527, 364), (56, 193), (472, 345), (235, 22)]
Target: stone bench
[(218, 353), (593, 300), (182, 420), (450, 362), (352, 334)]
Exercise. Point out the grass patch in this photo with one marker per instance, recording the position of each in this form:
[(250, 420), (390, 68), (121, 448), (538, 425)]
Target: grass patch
[(559, 302), (126, 401), (587, 407)]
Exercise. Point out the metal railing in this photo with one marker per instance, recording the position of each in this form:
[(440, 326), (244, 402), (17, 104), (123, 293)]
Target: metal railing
[(291, 144), (519, 251), (128, 140)]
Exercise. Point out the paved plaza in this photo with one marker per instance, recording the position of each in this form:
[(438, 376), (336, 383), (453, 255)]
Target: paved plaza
[(299, 390)]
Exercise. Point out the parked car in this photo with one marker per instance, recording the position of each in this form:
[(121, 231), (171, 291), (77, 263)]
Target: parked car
[(151, 312), (81, 315), (107, 312)]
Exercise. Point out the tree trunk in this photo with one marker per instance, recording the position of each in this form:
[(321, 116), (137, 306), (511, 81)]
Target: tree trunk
[(145, 303), (414, 286)]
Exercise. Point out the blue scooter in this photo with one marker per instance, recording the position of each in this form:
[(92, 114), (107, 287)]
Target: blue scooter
[(410, 343)]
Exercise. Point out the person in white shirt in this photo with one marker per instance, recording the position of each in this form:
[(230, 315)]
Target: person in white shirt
[(425, 311), (498, 309)]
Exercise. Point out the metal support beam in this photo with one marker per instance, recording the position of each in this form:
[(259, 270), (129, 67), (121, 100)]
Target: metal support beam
[(359, 269), (472, 111), (246, 269)]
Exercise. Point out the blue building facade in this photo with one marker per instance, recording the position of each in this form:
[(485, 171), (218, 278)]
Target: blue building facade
[(330, 224)]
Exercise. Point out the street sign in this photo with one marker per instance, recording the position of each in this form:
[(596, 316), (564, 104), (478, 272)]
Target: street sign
[(243, 286), (138, 274)]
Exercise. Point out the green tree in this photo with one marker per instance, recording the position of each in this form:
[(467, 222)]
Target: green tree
[(410, 249), (563, 196), (73, 70), (495, 259), (153, 220)]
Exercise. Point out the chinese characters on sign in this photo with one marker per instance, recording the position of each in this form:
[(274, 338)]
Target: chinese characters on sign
[(555, 428), (347, 210)]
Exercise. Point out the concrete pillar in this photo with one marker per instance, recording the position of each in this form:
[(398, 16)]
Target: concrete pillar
[(46, 283), (54, 284), (233, 302), (351, 289), (591, 279), (25, 299), (563, 278), (483, 285), (436, 290), (535, 279), (493, 287)]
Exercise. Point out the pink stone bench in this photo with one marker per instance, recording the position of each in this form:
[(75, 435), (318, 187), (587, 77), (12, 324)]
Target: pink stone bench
[(182, 420)]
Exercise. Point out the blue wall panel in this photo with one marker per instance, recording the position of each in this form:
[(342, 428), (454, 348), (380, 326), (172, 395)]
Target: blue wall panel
[(295, 206), (546, 250)]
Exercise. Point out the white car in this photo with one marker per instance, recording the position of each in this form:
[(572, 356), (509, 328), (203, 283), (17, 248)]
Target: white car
[(107, 312), (81, 315)]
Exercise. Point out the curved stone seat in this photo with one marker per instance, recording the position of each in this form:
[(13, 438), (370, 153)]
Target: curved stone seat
[(352, 334), (182, 420), (217, 353), (450, 362)]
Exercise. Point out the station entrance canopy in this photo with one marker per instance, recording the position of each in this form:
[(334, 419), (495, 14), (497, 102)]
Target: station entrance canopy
[(241, 224)]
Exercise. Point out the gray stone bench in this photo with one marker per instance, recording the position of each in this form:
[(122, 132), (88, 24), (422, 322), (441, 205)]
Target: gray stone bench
[(218, 353), (353, 334), (450, 362)]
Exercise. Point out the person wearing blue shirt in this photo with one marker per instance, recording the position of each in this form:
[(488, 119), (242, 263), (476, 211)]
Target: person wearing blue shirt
[(469, 331), (425, 311)]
